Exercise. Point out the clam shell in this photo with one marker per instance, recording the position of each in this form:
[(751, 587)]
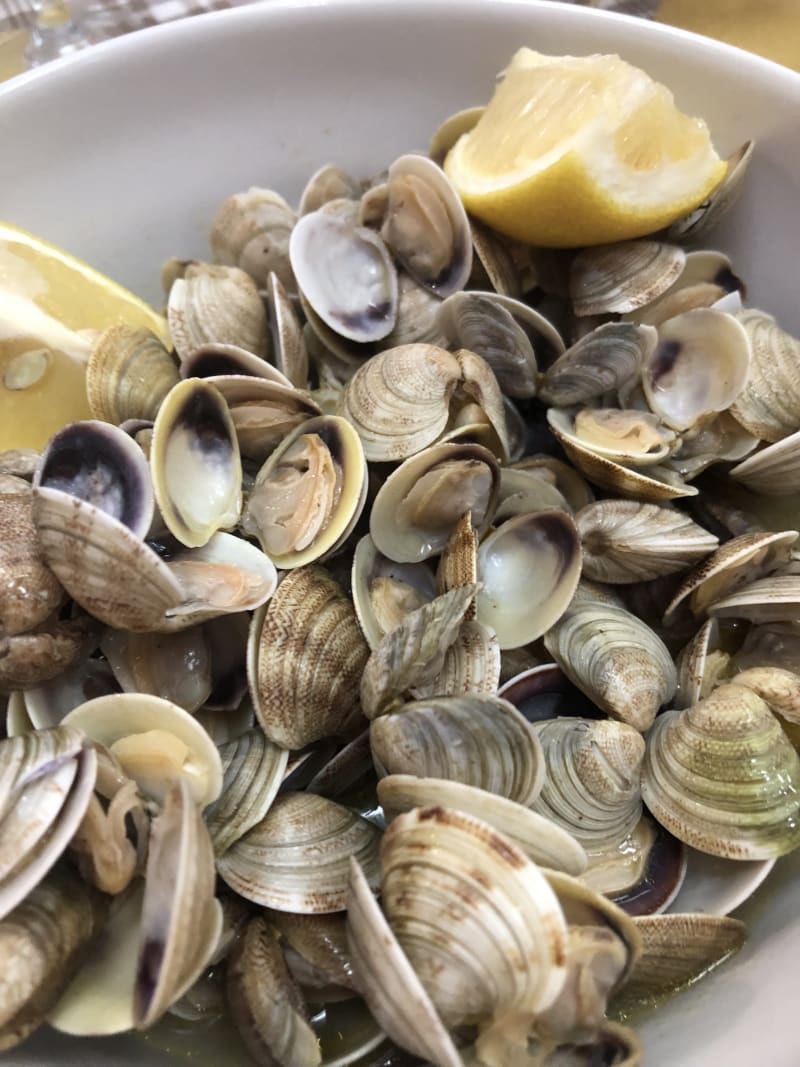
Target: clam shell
[(540, 551), (181, 920), (251, 230), (42, 942), (613, 657), (391, 988), (128, 374), (621, 435), (471, 663), (624, 276), (265, 1002), (263, 411), (346, 274), (171, 743), (398, 401), (763, 601), (701, 666), (306, 659), (602, 361), (222, 362), (288, 347), (216, 305), (592, 785), (455, 889), (540, 838), (699, 367), (413, 654), (310, 493), (297, 858), (195, 463), (421, 502), (253, 769), (627, 541), (426, 226), (384, 591), (700, 222), (774, 471), (176, 667), (318, 947), (477, 739), (446, 135), (723, 777), (769, 404), (29, 591)]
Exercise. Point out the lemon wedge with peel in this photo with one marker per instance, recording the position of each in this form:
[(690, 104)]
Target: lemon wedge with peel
[(575, 150), (51, 307)]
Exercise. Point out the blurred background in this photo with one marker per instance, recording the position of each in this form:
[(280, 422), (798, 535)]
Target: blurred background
[(770, 28)]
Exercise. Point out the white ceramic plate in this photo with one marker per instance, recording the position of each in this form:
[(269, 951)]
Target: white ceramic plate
[(123, 153)]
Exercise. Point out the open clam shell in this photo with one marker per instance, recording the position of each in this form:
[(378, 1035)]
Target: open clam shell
[(264, 411), (222, 362), (181, 920), (453, 888), (384, 591), (346, 274), (419, 505), (155, 742), (723, 777), (621, 435), (195, 463), (389, 983), (297, 858), (426, 226), (541, 551), (309, 494), (478, 739)]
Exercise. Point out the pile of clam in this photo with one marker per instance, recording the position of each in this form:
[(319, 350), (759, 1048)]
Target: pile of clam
[(383, 672)]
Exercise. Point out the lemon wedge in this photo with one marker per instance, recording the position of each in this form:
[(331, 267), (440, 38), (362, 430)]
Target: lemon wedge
[(51, 307), (574, 151)]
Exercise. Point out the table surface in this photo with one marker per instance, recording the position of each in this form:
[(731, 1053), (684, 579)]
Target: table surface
[(769, 27)]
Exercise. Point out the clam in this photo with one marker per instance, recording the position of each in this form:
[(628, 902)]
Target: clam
[(174, 666), (471, 663), (128, 374), (426, 226), (723, 777), (707, 280), (417, 508), (476, 738), (475, 321), (263, 411), (494, 264), (398, 401), (42, 943), (316, 953), (413, 654), (194, 459), (394, 993), (702, 664), (181, 920), (216, 305), (297, 857), (252, 768), (735, 564), (266, 1004), (540, 838), (774, 470), (328, 183), (309, 494), (613, 657), (569, 483), (624, 276), (384, 592), (288, 347), (251, 230), (522, 491), (453, 889), (705, 217), (698, 368), (417, 315), (305, 661), (769, 404), (29, 591), (46, 783), (42, 654), (221, 362), (346, 275), (155, 742), (602, 361), (541, 550), (620, 435), (626, 541)]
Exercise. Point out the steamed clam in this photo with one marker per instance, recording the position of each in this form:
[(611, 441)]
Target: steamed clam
[(308, 576)]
